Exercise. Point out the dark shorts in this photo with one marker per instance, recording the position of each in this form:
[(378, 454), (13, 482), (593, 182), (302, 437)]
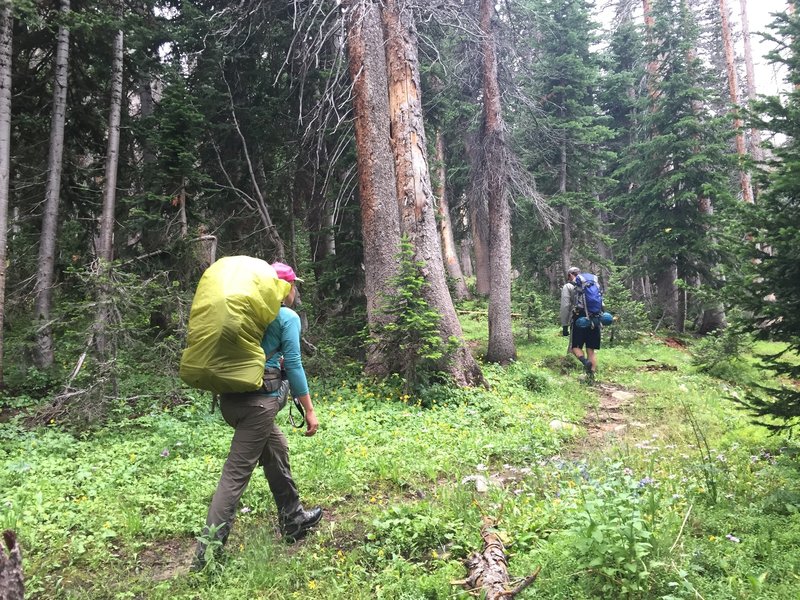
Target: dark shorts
[(588, 336)]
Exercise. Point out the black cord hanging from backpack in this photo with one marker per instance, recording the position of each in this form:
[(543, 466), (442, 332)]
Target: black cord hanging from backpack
[(302, 412)]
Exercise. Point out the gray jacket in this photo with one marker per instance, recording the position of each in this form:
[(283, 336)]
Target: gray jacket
[(567, 302)]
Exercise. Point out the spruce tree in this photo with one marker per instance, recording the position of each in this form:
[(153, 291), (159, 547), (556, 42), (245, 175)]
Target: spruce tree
[(680, 169), (771, 288), (567, 144)]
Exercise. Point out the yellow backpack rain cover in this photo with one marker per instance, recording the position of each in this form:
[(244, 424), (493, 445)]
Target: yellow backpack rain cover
[(236, 298)]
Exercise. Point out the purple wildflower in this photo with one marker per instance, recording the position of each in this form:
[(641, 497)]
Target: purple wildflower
[(165, 452), (645, 481), (733, 538)]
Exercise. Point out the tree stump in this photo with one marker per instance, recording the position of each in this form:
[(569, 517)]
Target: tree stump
[(11, 585)]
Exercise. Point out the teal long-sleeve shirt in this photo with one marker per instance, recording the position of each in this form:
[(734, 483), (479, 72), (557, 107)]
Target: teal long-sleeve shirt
[(282, 338)]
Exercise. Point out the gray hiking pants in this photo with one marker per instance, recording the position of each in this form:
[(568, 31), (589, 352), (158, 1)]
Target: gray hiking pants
[(256, 440)]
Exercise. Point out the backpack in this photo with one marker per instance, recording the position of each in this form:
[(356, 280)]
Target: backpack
[(236, 298), (589, 298)]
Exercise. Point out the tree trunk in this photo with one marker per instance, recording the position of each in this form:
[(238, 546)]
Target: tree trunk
[(566, 220), (501, 347), (603, 249), (449, 254), (105, 248), (152, 237), (256, 172), (6, 23), (318, 218), (480, 234), (414, 192), (755, 134), (668, 296), (466, 258), (43, 350), (376, 178), (744, 176), (652, 65)]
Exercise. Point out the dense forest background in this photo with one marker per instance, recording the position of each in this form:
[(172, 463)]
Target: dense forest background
[(445, 149)]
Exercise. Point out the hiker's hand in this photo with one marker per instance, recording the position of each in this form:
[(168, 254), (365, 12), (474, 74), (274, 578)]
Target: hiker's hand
[(565, 330), (311, 422)]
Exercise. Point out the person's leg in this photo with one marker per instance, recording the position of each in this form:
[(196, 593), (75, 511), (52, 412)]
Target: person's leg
[(275, 460), (590, 352), (592, 346), (252, 422), (578, 340), (294, 520)]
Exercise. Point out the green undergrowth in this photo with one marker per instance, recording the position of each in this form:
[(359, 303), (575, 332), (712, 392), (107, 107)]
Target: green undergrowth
[(690, 501)]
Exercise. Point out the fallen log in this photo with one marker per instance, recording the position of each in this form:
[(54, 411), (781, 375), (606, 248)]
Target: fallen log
[(11, 585), (488, 570)]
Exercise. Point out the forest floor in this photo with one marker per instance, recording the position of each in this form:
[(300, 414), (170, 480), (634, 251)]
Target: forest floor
[(649, 484)]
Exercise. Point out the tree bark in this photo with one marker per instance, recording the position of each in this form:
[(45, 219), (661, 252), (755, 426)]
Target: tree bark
[(43, 350), (566, 217), (652, 65), (488, 570), (667, 297), (105, 247), (744, 176), (380, 224), (12, 585), (500, 347), (414, 192), (480, 234), (6, 23), (466, 258), (449, 254), (318, 218), (755, 134)]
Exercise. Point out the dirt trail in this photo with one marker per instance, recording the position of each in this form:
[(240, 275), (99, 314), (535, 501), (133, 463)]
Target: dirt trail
[(607, 420)]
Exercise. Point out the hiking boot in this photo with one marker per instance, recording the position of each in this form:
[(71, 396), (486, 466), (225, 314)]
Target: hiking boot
[(201, 560), (296, 526)]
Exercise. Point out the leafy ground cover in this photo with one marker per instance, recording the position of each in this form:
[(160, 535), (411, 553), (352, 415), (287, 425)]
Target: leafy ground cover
[(650, 484)]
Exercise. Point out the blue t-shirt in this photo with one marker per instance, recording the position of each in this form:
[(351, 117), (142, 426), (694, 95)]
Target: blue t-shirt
[(282, 338)]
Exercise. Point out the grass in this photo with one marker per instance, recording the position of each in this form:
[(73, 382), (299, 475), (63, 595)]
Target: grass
[(659, 512)]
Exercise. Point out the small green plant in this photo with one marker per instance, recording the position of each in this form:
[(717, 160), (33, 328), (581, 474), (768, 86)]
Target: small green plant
[(409, 531), (612, 531), (412, 327), (535, 381), (708, 467), (630, 316), (212, 549), (720, 354), (536, 309)]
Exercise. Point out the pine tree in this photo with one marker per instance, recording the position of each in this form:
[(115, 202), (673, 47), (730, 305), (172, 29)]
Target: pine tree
[(679, 170), (569, 154), (772, 289)]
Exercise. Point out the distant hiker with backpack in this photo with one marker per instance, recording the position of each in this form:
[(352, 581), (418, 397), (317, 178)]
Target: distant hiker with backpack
[(257, 439), (581, 311)]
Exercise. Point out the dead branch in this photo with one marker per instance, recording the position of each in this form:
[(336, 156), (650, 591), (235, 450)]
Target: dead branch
[(488, 570), (12, 586), (261, 202)]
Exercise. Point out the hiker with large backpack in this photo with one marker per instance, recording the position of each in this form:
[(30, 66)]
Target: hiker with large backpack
[(256, 439), (581, 314)]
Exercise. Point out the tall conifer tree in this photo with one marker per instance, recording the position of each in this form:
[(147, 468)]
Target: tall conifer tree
[(682, 163)]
